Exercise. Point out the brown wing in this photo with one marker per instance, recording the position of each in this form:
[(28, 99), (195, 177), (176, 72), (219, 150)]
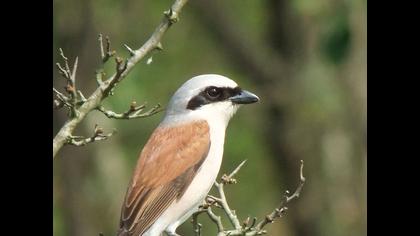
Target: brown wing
[(166, 167)]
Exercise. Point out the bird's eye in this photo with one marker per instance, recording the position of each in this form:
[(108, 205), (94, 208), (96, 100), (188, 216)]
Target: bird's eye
[(214, 92)]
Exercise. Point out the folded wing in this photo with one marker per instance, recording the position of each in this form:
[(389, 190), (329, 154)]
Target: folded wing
[(166, 167)]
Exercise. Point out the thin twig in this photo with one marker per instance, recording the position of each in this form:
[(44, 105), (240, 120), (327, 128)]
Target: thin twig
[(61, 100), (97, 136), (105, 55), (216, 219), (133, 112), (70, 76), (279, 211), (228, 179), (197, 226)]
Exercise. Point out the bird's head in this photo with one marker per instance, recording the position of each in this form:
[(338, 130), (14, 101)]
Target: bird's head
[(209, 97)]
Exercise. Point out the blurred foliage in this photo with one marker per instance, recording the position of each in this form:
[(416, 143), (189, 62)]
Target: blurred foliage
[(320, 117)]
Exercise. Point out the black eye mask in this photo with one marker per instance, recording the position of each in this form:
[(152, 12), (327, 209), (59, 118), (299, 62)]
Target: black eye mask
[(212, 94)]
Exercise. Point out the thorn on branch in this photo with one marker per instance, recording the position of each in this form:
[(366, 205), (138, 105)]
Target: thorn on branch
[(159, 46), (149, 61), (82, 97), (73, 74), (131, 51)]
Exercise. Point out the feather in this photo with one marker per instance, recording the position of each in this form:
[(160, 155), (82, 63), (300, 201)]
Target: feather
[(166, 167)]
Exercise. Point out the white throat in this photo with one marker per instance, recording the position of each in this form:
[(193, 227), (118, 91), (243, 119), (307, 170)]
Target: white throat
[(180, 210)]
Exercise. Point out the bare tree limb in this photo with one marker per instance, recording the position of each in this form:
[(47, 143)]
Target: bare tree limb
[(105, 87), (248, 227)]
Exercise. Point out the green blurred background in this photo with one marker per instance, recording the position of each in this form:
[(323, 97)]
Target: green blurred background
[(305, 59)]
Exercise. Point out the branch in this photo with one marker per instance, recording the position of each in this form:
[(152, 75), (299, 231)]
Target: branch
[(197, 226), (120, 67), (216, 219), (108, 54), (123, 67), (98, 135), (70, 77), (228, 179), (133, 112), (247, 227), (281, 210), (61, 100)]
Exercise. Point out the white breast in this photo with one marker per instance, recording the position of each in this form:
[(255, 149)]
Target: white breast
[(181, 210)]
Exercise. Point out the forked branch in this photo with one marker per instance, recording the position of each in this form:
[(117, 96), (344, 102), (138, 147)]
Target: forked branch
[(98, 135), (248, 227), (133, 112)]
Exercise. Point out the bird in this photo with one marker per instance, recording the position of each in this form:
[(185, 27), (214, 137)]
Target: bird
[(181, 160)]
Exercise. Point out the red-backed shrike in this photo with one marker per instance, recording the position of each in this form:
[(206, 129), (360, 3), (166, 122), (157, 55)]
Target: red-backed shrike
[(181, 160)]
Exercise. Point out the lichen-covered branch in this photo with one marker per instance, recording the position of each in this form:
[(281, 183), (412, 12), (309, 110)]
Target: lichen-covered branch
[(248, 227), (79, 105)]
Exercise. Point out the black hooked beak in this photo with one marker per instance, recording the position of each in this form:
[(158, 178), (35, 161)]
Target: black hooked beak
[(245, 97)]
